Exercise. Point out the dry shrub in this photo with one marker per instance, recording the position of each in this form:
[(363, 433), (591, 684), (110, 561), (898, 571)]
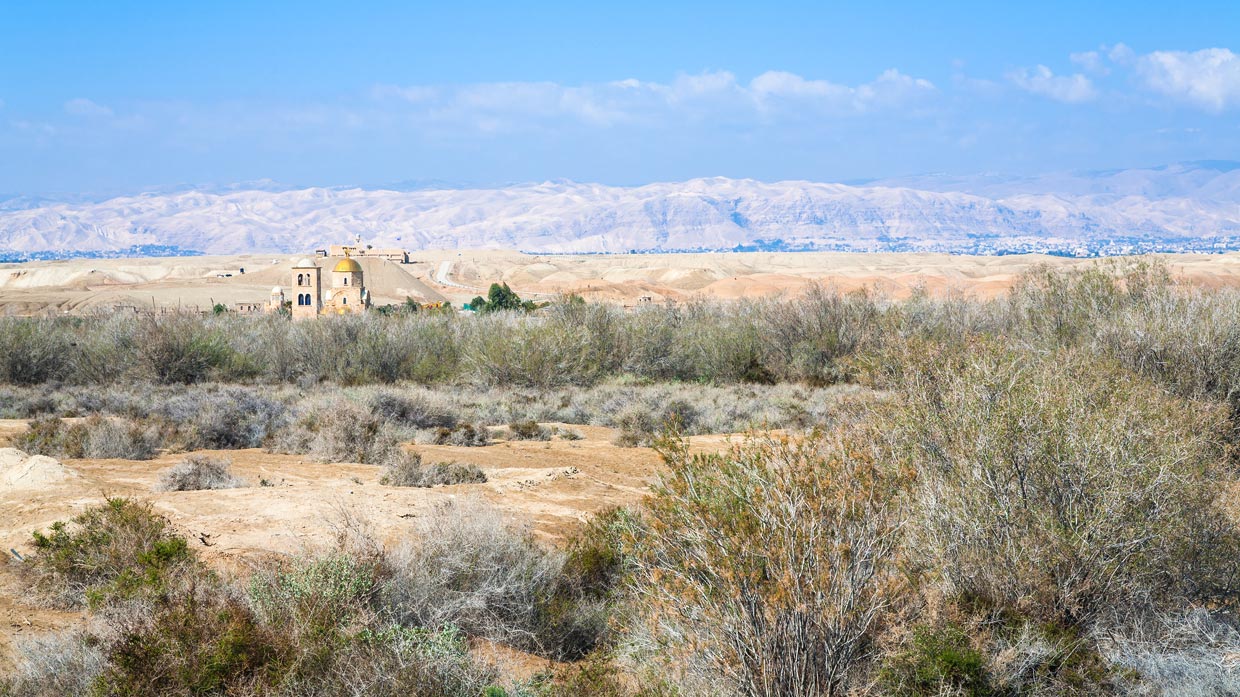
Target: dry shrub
[(637, 428), (198, 472), (807, 337), (54, 665), (222, 419), (462, 435), (180, 349), (26, 403), (566, 433), (528, 430), (308, 626), (442, 473), (97, 437), (772, 563), (640, 424), (33, 351), (1060, 485), (408, 470), (394, 661), (414, 411), (115, 438), (341, 432), (1189, 653), (471, 568), (506, 349)]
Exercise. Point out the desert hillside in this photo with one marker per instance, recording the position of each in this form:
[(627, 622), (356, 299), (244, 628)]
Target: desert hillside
[(84, 285)]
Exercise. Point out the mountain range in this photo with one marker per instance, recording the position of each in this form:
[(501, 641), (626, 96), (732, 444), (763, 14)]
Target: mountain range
[(1191, 206)]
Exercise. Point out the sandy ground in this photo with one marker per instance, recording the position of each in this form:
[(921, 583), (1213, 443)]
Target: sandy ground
[(552, 485), (81, 285)]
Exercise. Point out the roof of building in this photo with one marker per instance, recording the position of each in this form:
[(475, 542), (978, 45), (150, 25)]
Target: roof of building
[(304, 263), (347, 265), (275, 290)]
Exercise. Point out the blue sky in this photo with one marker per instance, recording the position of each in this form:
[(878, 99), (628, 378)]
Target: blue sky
[(121, 96)]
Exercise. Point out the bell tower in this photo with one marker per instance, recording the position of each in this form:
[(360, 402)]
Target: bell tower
[(307, 290)]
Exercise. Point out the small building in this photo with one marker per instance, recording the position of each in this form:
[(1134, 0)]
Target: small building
[(276, 303), (250, 308), (399, 256)]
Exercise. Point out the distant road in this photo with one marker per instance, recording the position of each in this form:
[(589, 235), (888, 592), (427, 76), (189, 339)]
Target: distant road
[(441, 276)]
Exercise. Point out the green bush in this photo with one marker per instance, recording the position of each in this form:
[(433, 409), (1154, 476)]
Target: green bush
[(315, 599), (115, 551), (197, 641), (940, 660)]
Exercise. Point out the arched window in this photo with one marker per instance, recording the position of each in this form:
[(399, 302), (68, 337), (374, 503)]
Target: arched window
[(346, 280), (301, 281), (344, 301)]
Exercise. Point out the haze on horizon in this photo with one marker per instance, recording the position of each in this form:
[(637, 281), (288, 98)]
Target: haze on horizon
[(127, 96)]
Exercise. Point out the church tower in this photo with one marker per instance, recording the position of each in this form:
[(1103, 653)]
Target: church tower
[(307, 290)]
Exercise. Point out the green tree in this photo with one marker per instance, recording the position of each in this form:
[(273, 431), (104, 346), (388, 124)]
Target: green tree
[(499, 298)]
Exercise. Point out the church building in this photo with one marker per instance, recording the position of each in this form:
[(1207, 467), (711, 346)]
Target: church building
[(347, 294)]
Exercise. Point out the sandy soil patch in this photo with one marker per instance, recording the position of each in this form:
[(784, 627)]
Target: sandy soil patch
[(293, 504)]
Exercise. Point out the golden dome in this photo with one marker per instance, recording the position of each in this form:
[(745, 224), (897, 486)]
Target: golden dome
[(347, 265)]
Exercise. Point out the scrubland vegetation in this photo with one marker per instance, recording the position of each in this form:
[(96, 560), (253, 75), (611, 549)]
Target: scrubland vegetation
[(1029, 495)]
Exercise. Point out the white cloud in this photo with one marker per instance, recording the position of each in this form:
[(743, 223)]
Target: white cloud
[(777, 83), (1121, 54), (85, 107), (1209, 78), (1091, 62), (890, 89), (1072, 89), (710, 95)]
